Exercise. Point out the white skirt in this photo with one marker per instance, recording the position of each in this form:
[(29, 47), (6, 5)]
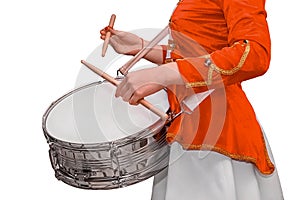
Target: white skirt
[(207, 175)]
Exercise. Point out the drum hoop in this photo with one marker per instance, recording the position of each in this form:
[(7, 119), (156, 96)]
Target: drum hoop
[(155, 127)]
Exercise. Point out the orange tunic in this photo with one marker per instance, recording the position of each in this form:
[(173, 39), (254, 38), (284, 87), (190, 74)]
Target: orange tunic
[(219, 44)]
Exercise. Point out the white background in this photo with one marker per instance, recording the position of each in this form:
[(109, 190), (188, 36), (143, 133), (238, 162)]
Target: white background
[(41, 45)]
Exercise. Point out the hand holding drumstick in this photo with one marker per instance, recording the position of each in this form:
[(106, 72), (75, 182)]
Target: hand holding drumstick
[(110, 79), (128, 43), (122, 42)]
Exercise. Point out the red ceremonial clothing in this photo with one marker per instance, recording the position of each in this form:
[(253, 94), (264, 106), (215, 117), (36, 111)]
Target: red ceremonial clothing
[(219, 44)]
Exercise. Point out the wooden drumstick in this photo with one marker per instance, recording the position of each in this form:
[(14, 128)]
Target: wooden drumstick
[(110, 79), (125, 68), (108, 34)]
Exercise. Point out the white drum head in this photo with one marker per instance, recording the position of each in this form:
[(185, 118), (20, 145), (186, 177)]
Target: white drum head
[(93, 115)]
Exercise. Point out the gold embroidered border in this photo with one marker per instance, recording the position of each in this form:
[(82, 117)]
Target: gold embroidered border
[(202, 83), (238, 67), (196, 84), (219, 70), (238, 157)]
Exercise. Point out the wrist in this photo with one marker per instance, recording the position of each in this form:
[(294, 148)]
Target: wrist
[(137, 47)]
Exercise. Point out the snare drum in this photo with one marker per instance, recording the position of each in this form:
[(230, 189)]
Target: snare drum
[(98, 141)]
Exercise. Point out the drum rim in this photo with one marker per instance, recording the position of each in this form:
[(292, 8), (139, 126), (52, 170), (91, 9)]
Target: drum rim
[(159, 124)]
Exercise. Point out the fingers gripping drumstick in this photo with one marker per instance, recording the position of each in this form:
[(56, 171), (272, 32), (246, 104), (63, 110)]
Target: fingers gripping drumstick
[(110, 79), (108, 34)]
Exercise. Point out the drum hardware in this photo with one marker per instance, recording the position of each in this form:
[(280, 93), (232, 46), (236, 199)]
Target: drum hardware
[(114, 153)]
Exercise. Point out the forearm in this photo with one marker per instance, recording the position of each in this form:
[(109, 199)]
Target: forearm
[(155, 55)]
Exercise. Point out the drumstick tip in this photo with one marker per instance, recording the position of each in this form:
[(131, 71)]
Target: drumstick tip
[(108, 34), (112, 20)]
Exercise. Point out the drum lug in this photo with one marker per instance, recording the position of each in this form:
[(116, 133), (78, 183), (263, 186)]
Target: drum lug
[(53, 158), (114, 153)]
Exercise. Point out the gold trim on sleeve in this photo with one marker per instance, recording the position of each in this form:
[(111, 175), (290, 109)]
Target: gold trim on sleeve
[(196, 84), (238, 67), (213, 67)]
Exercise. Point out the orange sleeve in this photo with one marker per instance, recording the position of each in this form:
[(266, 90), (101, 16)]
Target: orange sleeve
[(247, 55)]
